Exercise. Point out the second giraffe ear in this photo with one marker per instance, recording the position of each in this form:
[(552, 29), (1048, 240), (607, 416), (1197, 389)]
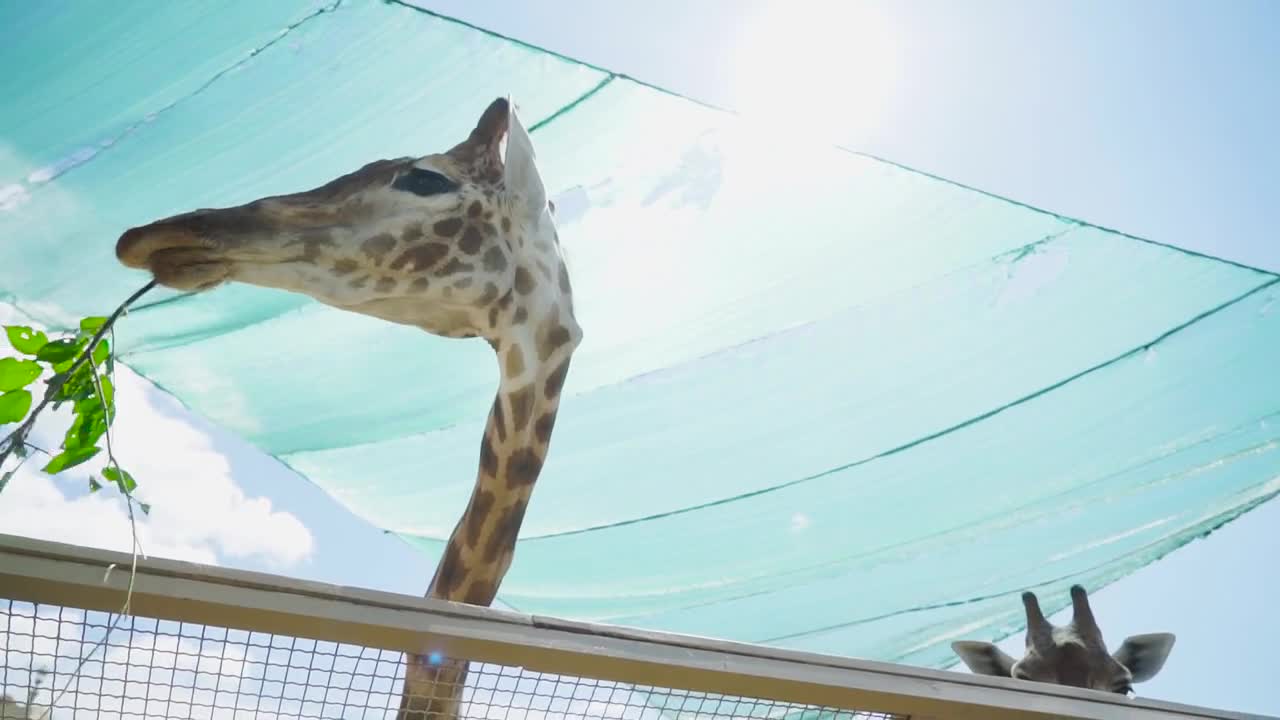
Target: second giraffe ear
[(1144, 655), (983, 658), (520, 168)]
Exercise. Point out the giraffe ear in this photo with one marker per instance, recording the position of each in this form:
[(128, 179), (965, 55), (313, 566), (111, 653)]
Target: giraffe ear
[(491, 126), (520, 168), (1144, 655), (983, 658), (482, 149)]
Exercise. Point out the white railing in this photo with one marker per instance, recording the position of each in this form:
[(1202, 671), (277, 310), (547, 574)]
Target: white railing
[(205, 642)]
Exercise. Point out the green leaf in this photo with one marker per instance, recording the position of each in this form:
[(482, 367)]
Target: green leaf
[(89, 425), (69, 459), (101, 351), (121, 478), (92, 430), (24, 339), (89, 405), (15, 373), (71, 441), (108, 393), (58, 351), (146, 509), (92, 325), (94, 485), (14, 406), (77, 387), (65, 365)]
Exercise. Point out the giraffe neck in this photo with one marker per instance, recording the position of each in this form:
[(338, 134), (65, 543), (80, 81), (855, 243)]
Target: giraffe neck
[(516, 440), (534, 364)]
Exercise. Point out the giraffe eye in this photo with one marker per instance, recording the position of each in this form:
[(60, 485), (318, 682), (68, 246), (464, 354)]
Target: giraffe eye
[(424, 182)]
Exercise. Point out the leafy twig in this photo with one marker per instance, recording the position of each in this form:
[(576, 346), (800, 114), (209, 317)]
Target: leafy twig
[(70, 383)]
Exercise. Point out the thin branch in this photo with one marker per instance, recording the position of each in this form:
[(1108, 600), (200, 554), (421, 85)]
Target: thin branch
[(133, 523), (107, 408), (37, 448)]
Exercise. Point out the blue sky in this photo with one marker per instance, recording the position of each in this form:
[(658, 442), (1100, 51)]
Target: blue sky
[(1154, 118)]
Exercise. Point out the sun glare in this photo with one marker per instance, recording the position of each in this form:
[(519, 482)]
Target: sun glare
[(828, 69)]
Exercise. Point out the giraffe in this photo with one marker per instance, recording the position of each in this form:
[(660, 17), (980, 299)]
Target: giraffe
[(461, 244), (1072, 655)]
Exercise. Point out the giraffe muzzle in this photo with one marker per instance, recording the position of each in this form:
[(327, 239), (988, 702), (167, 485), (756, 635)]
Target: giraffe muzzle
[(177, 257)]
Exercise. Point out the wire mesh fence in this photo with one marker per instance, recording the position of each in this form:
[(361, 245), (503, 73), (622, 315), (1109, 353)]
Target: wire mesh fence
[(60, 663)]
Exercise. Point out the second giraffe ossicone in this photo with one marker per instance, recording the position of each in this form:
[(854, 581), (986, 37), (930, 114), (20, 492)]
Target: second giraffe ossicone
[(461, 244), (1073, 655)]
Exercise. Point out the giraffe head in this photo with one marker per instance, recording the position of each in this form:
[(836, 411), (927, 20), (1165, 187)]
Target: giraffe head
[(1072, 655), (458, 243)]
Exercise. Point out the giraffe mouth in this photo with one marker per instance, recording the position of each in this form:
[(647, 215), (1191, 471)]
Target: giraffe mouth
[(189, 269)]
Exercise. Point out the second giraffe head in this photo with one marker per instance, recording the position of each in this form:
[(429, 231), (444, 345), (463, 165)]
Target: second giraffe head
[(1074, 654)]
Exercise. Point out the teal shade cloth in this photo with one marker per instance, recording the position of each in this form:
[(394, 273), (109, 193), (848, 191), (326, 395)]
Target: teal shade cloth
[(824, 401)]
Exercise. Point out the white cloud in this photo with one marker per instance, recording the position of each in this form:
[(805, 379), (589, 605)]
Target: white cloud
[(12, 196), (198, 510)]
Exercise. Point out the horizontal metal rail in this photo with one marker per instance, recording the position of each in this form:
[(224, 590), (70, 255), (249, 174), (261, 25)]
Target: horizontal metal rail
[(97, 580)]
